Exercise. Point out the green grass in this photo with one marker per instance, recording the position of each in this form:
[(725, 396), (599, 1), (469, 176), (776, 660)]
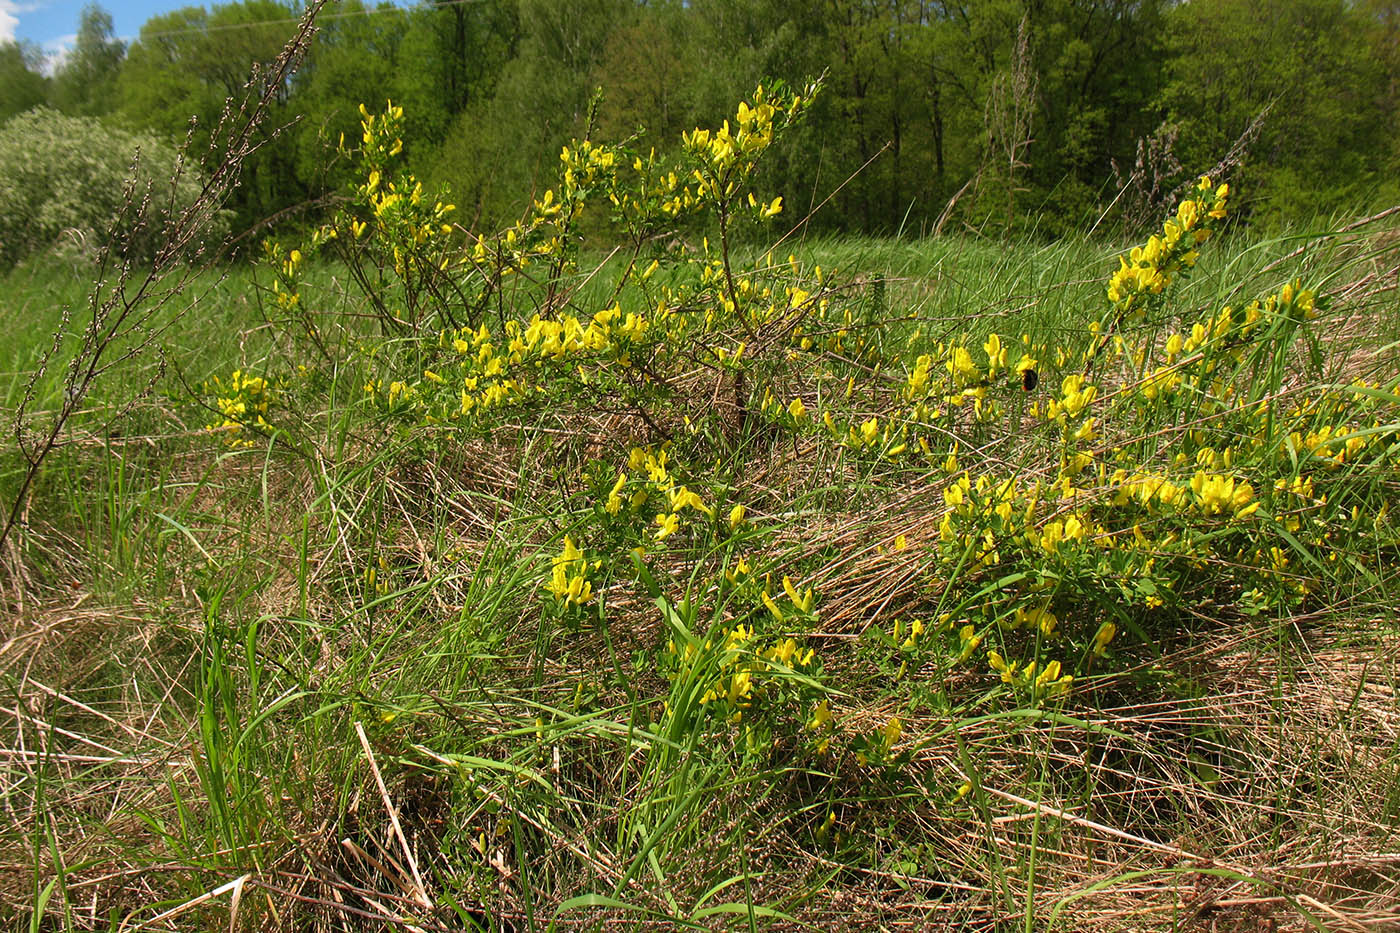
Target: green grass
[(193, 646)]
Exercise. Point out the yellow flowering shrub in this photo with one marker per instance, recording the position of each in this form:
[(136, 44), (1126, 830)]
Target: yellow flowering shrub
[(1156, 464)]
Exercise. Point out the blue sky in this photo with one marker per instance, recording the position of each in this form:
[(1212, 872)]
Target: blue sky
[(53, 23)]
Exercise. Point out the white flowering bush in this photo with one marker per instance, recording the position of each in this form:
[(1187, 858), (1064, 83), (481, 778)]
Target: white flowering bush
[(64, 181)]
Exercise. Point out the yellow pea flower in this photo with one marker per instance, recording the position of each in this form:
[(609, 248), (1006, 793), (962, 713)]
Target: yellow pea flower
[(998, 664), (892, 731), (802, 601), (1103, 636), (772, 606), (669, 524)]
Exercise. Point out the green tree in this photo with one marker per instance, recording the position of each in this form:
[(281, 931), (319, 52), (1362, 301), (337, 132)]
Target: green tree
[(86, 81), (1311, 64), (645, 75), (436, 60), (64, 181), (352, 61), (1382, 23), (1098, 65), (22, 85), (497, 149), (186, 64)]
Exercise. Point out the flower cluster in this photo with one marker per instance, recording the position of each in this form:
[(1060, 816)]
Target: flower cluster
[(726, 156), (569, 580), (397, 241), (647, 494), (1048, 681), (242, 405), (1148, 269), (286, 266), (745, 675)]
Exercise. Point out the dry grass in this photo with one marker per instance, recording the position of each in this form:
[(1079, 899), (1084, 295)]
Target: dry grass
[(1239, 774), (1242, 782)]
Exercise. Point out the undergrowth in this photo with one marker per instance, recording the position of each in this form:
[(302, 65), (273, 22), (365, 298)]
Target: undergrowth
[(608, 569)]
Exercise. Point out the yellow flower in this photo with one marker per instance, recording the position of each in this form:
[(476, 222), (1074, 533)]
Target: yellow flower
[(614, 503), (998, 663), (736, 517), (741, 569), (892, 731), (568, 581), (1050, 677), (970, 640), (669, 524), (772, 606), (1041, 618), (1217, 494), (783, 652), (996, 353), (683, 498), (803, 601), (740, 688), (1077, 396), (580, 590), (1170, 494), (1103, 636), (868, 430), (916, 628)]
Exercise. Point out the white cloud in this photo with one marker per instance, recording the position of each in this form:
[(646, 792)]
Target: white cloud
[(9, 19), (56, 51), (10, 12)]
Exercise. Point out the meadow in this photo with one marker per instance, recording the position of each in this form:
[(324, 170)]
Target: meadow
[(635, 565)]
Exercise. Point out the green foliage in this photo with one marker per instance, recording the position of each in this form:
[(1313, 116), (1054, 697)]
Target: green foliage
[(22, 86), (183, 69), (1005, 117), (1311, 64), (86, 82), (595, 565), (64, 183), (771, 547), (735, 607), (1034, 570)]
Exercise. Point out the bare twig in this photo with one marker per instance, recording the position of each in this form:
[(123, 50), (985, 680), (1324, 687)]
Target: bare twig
[(123, 306)]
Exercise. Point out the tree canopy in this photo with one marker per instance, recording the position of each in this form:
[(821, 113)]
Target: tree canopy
[(1018, 115)]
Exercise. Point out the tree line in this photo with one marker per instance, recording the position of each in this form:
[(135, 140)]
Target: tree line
[(1004, 116)]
